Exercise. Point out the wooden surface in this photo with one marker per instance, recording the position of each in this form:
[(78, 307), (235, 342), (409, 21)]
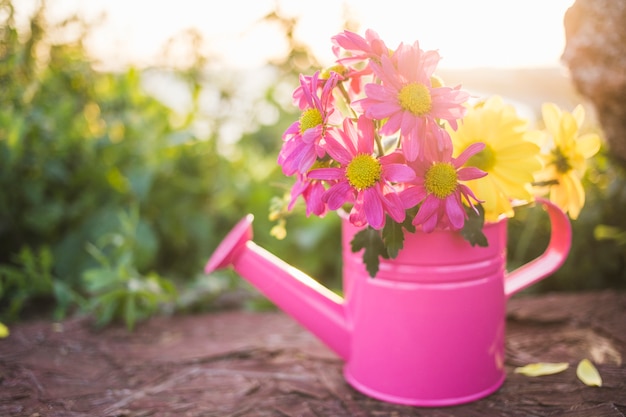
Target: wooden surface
[(263, 364)]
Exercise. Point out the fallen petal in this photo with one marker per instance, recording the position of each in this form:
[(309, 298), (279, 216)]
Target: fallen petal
[(4, 331), (588, 373), (542, 368)]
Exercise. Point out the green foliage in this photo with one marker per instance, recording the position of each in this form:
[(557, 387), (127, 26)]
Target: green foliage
[(112, 201), (29, 278), (371, 241), (76, 147), (116, 288), (393, 235), (473, 228), (79, 150), (383, 244)]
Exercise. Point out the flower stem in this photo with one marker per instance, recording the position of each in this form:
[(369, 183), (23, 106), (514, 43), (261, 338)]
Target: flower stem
[(346, 97)]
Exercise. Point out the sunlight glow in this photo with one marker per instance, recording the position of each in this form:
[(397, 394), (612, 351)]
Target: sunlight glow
[(468, 34)]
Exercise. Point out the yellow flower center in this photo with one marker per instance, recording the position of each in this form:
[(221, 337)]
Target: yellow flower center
[(310, 118), (339, 69), (560, 161), (363, 171), (484, 160), (441, 179), (415, 98)]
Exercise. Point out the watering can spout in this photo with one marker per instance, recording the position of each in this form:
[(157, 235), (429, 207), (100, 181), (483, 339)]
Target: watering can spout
[(314, 306)]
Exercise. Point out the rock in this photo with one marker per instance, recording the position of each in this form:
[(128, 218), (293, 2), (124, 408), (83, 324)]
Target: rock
[(595, 53)]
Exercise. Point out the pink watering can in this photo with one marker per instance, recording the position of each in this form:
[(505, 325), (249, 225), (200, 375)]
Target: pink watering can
[(429, 329)]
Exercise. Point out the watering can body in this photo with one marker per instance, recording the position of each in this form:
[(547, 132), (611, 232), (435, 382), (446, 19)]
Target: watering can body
[(429, 329)]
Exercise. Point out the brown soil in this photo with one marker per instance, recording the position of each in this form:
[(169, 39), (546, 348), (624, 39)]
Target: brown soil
[(237, 363)]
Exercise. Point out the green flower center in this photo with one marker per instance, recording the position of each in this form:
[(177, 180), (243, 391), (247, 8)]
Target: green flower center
[(415, 98), (310, 118), (484, 160), (560, 161), (441, 179), (363, 171)]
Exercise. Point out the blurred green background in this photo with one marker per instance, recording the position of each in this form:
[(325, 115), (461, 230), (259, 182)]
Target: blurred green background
[(112, 200)]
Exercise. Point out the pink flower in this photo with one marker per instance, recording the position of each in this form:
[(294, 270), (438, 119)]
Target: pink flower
[(413, 106), (438, 190), (359, 48), (312, 192), (301, 146), (356, 51), (302, 94), (362, 179)]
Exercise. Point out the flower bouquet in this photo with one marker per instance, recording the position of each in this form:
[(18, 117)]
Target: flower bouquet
[(424, 177), (382, 139)]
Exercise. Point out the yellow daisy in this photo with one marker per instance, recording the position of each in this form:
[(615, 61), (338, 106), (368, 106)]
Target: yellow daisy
[(566, 162), (509, 157)]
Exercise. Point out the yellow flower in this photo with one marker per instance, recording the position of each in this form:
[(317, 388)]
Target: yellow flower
[(566, 162), (509, 157)]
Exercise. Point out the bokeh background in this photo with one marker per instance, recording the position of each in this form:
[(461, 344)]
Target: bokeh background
[(134, 134)]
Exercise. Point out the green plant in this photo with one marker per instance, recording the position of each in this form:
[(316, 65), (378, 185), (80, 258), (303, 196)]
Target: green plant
[(77, 147), (29, 279), (117, 288), (80, 149)]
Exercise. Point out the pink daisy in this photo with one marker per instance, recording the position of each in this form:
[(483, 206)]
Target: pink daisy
[(312, 192), (359, 48), (301, 95), (301, 146), (362, 179), (438, 190), (413, 106), (353, 54)]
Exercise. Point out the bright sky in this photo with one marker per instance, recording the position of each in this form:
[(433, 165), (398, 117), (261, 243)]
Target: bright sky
[(467, 33)]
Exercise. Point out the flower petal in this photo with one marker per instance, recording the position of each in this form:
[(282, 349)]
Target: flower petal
[(398, 173), (336, 147), (328, 174), (337, 195), (588, 145), (429, 208), (412, 196), (373, 208), (542, 368), (454, 211), (551, 117), (588, 374), (470, 151)]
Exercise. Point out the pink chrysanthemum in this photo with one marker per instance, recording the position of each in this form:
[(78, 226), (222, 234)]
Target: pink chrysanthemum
[(362, 179), (312, 192), (359, 48), (353, 54), (410, 102), (301, 95), (438, 190), (301, 146)]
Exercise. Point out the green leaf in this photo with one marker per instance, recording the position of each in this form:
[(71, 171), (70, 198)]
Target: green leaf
[(473, 228), (393, 238), (370, 240)]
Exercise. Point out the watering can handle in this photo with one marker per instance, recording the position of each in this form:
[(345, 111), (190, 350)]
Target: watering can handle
[(551, 259)]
